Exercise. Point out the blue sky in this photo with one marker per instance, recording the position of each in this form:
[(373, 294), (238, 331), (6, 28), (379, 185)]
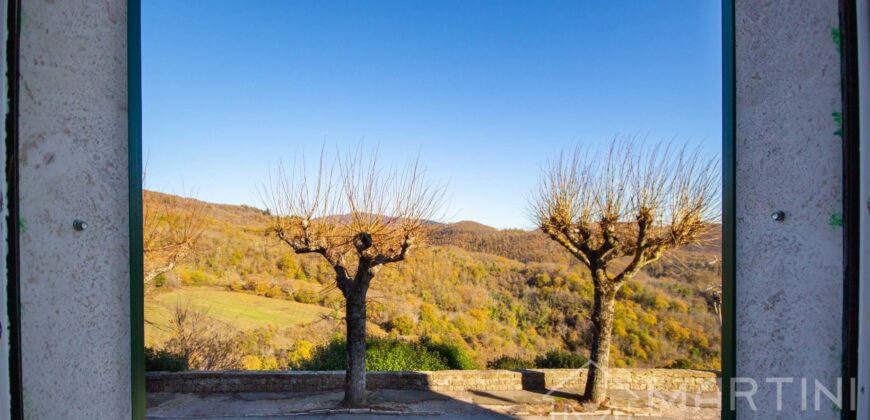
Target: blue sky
[(484, 91)]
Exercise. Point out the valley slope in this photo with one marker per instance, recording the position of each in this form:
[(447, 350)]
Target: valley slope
[(495, 292)]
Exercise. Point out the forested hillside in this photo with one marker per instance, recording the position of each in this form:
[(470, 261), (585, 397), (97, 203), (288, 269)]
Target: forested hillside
[(493, 292)]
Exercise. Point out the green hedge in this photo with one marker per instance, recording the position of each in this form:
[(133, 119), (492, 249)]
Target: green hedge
[(455, 356), (510, 363), (384, 354), (558, 359), (554, 359), (162, 360)]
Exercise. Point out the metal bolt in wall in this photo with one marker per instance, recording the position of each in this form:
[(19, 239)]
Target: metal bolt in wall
[(80, 225)]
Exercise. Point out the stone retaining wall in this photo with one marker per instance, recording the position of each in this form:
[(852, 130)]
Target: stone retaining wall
[(445, 380)]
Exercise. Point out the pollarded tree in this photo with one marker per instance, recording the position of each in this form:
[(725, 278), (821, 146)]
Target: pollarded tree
[(359, 220), (618, 211)]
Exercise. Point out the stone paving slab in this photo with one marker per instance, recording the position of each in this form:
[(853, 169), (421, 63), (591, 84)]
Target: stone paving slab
[(409, 403)]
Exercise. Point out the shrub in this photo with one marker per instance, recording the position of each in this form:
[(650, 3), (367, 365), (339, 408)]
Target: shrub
[(680, 306), (540, 280), (286, 263), (274, 291), (195, 278), (204, 343), (257, 284), (559, 359), (251, 362), (469, 326), (455, 356), (677, 332), (680, 364), (381, 355), (162, 360), (660, 303), (402, 325), (270, 363), (160, 280), (398, 355), (301, 351), (625, 292), (329, 356), (648, 318), (510, 363), (305, 296)]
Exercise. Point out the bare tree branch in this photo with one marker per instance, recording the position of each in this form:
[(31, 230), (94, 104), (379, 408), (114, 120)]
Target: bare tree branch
[(629, 202), (172, 227), (365, 212)]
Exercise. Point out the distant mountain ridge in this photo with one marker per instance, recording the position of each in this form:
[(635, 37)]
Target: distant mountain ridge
[(526, 246), (469, 226)]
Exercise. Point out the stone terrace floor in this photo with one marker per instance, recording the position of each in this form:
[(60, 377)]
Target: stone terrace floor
[(404, 403)]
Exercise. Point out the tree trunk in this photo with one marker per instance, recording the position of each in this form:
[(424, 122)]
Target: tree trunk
[(602, 321), (355, 376)]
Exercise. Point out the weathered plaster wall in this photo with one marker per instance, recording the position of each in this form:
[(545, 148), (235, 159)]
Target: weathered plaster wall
[(73, 165), (863, 13), (789, 274)]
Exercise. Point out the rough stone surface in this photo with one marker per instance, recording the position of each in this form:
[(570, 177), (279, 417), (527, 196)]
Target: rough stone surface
[(73, 165), (789, 280), (445, 380)]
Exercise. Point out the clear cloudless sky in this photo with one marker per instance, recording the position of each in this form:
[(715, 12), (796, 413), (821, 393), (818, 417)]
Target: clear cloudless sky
[(484, 91)]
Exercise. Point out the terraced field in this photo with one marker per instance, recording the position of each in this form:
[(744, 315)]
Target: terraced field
[(240, 310)]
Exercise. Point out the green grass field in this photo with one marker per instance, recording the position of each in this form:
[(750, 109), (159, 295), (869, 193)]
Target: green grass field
[(241, 310)]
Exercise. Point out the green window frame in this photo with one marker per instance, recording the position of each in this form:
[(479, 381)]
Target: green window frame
[(137, 315), (134, 147)]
